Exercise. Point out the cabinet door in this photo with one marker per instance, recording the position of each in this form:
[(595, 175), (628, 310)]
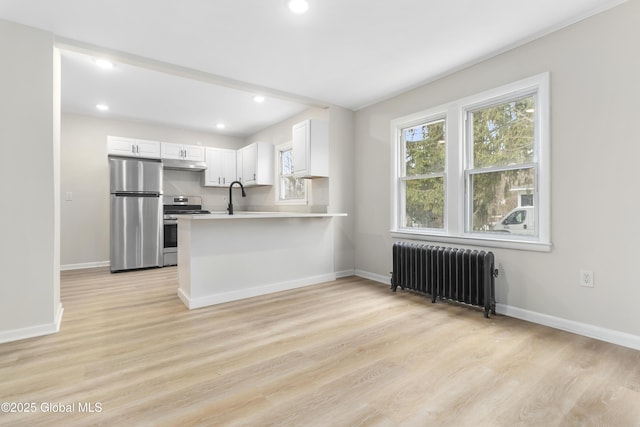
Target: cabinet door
[(212, 175), (264, 170), (228, 166), (148, 149), (255, 164), (300, 147), (171, 151), (194, 153), (249, 156), (121, 146), (239, 176), (311, 149)]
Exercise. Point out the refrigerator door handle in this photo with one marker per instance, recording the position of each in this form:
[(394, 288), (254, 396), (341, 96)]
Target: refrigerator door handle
[(133, 194)]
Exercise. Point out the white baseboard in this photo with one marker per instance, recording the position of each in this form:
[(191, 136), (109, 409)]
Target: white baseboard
[(345, 273), (84, 265), (34, 331), (386, 280), (205, 301), (603, 334), (186, 300)]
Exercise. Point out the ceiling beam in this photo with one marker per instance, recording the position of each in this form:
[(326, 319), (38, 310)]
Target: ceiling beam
[(184, 72)]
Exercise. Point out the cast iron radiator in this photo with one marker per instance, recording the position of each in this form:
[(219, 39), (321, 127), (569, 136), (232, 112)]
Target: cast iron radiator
[(461, 275)]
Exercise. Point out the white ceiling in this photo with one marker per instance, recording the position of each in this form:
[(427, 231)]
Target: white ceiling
[(350, 53), (145, 95)]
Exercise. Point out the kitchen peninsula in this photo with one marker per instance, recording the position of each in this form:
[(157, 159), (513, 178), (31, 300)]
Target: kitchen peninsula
[(225, 257)]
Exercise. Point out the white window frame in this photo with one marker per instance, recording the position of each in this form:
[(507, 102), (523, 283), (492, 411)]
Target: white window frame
[(457, 205), (279, 149), (402, 176)]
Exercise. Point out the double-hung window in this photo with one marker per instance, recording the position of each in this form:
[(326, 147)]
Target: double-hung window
[(501, 166), (290, 190), (476, 170), (422, 175)]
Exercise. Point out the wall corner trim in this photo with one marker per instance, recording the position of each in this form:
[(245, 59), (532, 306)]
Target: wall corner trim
[(33, 331), (345, 273), (385, 280)]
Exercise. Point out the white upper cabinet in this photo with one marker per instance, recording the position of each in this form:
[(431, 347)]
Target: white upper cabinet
[(221, 167), (182, 152), (194, 152), (171, 151), (130, 147), (148, 149), (310, 149), (248, 172), (228, 169), (255, 164)]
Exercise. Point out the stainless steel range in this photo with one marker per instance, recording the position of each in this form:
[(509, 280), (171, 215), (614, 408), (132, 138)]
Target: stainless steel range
[(173, 205)]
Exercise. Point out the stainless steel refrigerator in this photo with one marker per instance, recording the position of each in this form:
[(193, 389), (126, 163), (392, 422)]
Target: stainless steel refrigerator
[(136, 213)]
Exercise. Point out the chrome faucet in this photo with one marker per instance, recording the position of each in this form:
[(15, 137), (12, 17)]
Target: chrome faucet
[(230, 208)]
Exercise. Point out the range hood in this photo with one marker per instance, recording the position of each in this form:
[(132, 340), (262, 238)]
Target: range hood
[(185, 165)]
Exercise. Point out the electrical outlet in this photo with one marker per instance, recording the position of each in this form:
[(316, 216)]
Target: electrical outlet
[(586, 278)]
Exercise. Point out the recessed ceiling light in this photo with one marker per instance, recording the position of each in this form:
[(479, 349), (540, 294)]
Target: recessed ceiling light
[(298, 6), (220, 126), (258, 98), (103, 63), (102, 107)]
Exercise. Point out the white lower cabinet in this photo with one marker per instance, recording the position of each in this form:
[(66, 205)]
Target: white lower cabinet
[(221, 167)]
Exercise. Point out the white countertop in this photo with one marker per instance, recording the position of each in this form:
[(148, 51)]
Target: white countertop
[(257, 215)]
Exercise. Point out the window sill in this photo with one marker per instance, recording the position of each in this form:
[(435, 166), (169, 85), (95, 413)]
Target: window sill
[(291, 202), (490, 242)]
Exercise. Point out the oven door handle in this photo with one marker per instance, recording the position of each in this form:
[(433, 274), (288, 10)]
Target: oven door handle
[(170, 221)]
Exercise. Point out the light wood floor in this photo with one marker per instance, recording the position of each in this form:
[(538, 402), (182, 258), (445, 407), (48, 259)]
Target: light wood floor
[(345, 353)]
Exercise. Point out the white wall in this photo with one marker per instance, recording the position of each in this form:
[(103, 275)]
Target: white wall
[(85, 173), (29, 84), (595, 69), (342, 187)]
